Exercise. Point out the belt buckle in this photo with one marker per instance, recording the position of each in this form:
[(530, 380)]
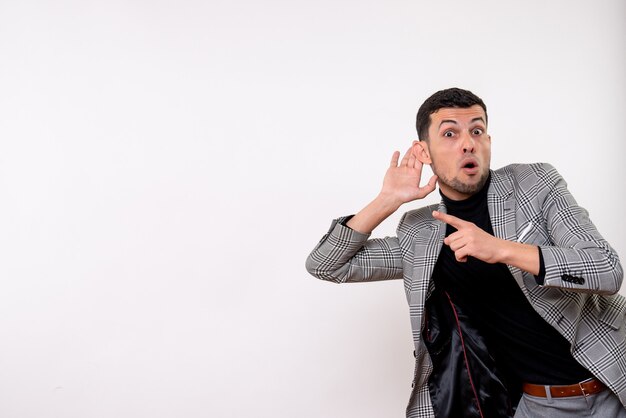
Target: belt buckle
[(582, 389)]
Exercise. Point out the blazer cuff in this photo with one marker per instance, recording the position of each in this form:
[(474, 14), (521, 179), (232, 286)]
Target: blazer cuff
[(341, 236), (558, 271)]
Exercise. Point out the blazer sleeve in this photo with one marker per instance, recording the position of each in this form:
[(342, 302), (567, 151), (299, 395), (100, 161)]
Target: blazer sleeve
[(580, 259), (345, 255)]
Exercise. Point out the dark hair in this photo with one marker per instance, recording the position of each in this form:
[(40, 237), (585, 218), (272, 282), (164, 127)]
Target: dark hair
[(453, 97)]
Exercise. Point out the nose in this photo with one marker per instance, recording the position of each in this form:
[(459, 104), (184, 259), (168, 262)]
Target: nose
[(468, 143)]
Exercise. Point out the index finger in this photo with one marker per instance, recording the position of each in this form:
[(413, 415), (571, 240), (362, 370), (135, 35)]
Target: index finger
[(449, 219)]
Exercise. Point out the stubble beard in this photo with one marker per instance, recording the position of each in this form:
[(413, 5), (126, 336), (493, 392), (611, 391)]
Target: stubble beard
[(460, 187)]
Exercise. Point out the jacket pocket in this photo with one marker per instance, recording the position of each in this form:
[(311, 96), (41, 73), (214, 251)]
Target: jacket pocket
[(532, 233)]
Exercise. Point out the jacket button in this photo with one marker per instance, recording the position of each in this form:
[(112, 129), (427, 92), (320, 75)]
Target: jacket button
[(572, 279)]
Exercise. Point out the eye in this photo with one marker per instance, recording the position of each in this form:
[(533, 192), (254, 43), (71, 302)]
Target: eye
[(448, 134), (477, 131)]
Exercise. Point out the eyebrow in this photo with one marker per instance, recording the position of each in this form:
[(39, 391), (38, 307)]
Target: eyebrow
[(480, 118)]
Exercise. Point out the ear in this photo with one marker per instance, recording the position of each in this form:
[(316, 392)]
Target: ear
[(421, 151)]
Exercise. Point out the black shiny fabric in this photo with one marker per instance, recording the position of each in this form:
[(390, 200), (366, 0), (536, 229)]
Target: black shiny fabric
[(465, 381)]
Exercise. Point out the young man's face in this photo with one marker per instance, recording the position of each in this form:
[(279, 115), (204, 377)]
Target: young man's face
[(458, 150)]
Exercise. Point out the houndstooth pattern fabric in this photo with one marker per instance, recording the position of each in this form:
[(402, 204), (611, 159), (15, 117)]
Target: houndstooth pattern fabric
[(527, 203)]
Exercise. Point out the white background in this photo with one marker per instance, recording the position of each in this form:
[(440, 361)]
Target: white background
[(166, 166)]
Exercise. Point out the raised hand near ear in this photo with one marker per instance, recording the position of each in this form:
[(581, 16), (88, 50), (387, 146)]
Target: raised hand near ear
[(402, 180), (400, 185)]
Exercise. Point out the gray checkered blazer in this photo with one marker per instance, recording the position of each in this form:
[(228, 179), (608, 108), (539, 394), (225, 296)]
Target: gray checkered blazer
[(529, 203)]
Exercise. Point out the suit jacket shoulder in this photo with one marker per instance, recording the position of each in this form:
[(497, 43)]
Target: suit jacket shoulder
[(415, 220), (526, 178)]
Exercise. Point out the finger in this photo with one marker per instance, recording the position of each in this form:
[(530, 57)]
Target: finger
[(456, 245), (454, 241), (457, 249), (461, 254), (449, 219), (412, 160), (432, 183), (394, 159), (405, 159), (429, 187)]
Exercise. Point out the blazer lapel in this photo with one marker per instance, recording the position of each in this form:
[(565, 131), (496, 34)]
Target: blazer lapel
[(501, 204), (437, 235), (501, 207)]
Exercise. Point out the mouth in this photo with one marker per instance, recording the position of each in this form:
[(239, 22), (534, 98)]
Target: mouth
[(469, 166)]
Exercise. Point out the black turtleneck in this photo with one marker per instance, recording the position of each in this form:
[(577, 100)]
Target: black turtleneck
[(522, 342)]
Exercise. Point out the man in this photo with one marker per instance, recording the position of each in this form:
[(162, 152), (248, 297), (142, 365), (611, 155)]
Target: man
[(510, 286)]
